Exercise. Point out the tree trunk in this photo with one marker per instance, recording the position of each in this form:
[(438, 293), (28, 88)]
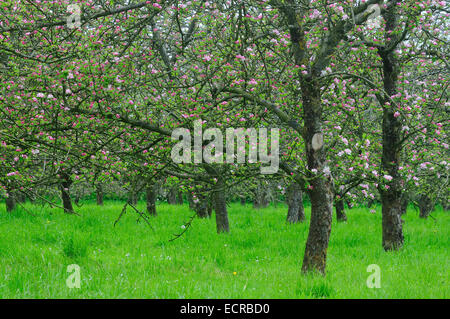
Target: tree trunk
[(320, 227), (425, 206), (320, 191), (243, 201), (320, 188), (10, 202), (65, 193), (340, 211), (296, 211), (391, 194), (391, 222), (99, 193), (220, 206), (151, 200), (202, 209)]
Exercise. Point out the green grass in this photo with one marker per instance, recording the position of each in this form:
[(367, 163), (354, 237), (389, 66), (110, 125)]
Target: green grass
[(260, 258)]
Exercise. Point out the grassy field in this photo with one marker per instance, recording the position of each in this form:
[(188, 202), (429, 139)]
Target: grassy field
[(260, 258)]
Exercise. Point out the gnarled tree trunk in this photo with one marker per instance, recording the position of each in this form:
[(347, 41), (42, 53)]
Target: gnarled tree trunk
[(296, 211)]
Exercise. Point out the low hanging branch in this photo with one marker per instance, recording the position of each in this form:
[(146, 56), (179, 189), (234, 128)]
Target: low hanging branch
[(186, 227), (141, 215)]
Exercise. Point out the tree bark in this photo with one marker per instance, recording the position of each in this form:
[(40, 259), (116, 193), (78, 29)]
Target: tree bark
[(220, 206), (320, 188), (296, 211), (202, 209), (65, 193), (99, 194), (151, 200), (320, 191), (340, 211), (391, 197)]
